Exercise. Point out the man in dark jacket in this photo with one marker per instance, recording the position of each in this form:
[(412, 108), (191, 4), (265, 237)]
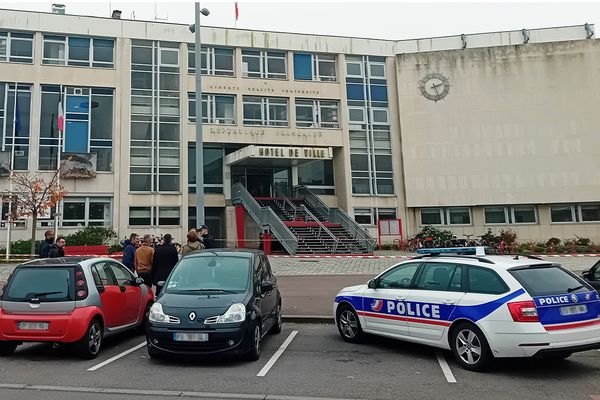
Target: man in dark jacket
[(57, 249), (129, 247), (47, 244), (165, 258), (205, 238)]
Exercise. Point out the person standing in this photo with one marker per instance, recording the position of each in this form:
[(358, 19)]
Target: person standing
[(129, 247), (47, 244), (57, 249), (192, 243), (165, 258), (144, 256), (205, 238)]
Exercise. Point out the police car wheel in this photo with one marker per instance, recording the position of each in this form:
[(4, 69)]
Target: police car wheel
[(470, 348), (349, 325)]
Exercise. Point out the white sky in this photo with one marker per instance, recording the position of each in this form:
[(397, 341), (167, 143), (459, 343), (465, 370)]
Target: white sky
[(370, 19)]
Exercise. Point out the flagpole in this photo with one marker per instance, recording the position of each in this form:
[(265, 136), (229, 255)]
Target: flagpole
[(10, 182), (59, 153)]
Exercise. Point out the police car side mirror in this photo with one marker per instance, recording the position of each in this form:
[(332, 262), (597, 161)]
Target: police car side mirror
[(372, 284), (586, 274)]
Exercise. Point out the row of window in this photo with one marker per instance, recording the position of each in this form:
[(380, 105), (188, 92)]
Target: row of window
[(369, 216), (519, 214)]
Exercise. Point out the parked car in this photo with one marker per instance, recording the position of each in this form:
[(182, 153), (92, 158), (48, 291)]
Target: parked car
[(72, 300), (480, 307), (592, 276), (214, 302)]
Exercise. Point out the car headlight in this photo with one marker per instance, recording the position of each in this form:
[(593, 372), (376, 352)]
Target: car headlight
[(157, 315), (236, 313)]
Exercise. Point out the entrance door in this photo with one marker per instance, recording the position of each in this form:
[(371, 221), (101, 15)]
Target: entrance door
[(281, 182), (259, 181)]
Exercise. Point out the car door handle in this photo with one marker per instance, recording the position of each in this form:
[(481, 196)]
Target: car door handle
[(449, 302), (400, 298)]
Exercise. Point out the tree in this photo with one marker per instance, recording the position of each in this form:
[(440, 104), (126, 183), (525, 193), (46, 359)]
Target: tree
[(35, 197)]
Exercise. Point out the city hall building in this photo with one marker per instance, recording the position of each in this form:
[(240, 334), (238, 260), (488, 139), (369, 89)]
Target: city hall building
[(466, 132)]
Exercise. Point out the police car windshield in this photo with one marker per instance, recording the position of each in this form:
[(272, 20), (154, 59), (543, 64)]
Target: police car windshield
[(549, 280)]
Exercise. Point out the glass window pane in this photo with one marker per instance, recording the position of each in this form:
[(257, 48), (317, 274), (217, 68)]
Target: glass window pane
[(377, 70), (524, 214), (459, 216), (354, 69), (319, 172), (168, 183), (495, 215), (213, 166), (74, 211), (436, 277), (224, 109), (431, 216), (141, 55), (252, 114), (169, 57), (140, 183), (102, 117), (99, 210), (54, 53), (104, 158), (21, 48), (399, 277), (590, 212), (483, 280), (79, 49), (223, 61), (140, 216), (103, 50), (168, 216), (359, 162), (357, 115), (561, 213), (383, 163), (304, 115)]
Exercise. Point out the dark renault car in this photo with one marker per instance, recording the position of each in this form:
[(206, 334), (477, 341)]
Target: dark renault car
[(215, 301)]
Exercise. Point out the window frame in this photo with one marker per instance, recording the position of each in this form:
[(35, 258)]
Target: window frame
[(66, 61), (265, 104), (316, 109), (9, 37), (87, 220), (155, 216), (264, 57), (210, 99)]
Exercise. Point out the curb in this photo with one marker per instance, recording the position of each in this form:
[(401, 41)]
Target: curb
[(309, 319)]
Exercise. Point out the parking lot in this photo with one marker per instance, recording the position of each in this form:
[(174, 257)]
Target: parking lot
[(316, 363)]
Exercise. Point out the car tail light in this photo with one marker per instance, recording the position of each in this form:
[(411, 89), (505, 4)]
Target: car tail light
[(81, 289), (523, 311)]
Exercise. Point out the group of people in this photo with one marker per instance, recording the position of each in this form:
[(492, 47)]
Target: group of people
[(153, 263), (51, 248)]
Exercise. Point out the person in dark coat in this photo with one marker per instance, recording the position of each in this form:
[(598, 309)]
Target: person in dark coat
[(47, 244), (205, 238), (129, 247), (57, 249), (165, 258)]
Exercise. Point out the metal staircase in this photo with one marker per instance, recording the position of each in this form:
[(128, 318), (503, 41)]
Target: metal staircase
[(303, 224)]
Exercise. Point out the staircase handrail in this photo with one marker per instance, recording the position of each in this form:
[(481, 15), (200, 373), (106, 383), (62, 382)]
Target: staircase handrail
[(312, 199), (322, 227), (288, 201), (338, 215), (265, 216)]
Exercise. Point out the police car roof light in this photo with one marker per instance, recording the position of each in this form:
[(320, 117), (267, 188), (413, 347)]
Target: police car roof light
[(478, 250)]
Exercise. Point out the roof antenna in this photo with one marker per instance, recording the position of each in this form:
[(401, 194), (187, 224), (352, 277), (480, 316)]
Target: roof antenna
[(516, 257)]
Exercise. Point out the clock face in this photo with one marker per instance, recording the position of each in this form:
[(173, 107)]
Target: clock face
[(434, 86)]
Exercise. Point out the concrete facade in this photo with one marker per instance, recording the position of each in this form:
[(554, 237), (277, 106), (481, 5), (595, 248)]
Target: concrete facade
[(515, 127)]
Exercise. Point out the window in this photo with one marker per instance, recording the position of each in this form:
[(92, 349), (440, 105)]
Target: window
[(215, 60), (86, 211), (216, 109), (16, 47), (14, 123), (386, 213), (446, 216), (377, 70), (317, 175), (102, 275), (265, 111), (440, 277), (264, 64), (78, 51), (213, 169), (88, 127), (499, 215), (548, 280), (154, 216), (575, 212), (155, 109), (354, 68), (363, 216), (315, 67), (121, 273), (398, 278), (316, 114), (483, 280)]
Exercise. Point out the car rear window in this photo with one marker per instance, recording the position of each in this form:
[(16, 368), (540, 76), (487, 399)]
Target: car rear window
[(548, 280), (45, 284)]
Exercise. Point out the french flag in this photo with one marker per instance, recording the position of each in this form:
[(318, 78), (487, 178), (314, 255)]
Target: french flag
[(61, 118)]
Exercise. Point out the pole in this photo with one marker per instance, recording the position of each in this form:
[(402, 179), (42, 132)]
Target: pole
[(199, 142), (59, 153), (10, 184)]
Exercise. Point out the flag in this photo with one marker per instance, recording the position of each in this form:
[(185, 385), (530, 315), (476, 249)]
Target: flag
[(61, 118), (237, 12)]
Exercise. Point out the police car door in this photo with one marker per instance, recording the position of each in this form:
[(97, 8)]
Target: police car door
[(438, 289), (384, 304)]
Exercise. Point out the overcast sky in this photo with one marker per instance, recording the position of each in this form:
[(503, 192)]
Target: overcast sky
[(386, 20)]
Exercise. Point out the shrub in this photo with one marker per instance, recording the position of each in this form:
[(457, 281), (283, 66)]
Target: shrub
[(553, 242), (22, 247), (490, 238), (582, 241), (438, 235), (91, 236), (508, 235), (115, 248)]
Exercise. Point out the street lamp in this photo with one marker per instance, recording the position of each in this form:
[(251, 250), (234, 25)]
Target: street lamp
[(195, 28)]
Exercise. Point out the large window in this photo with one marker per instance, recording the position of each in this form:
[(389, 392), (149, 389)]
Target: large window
[(213, 169), (575, 212), (317, 175), (271, 111), (369, 216), (315, 67), (215, 60), (16, 47), (14, 123), (498, 215), (317, 113), (264, 64), (86, 211), (446, 216), (88, 124), (79, 51), (155, 109), (216, 108), (154, 216)]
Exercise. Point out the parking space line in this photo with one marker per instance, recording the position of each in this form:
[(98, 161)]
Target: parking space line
[(277, 354), (123, 354), (445, 368)]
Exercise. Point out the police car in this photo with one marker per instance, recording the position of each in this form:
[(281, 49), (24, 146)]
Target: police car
[(478, 306)]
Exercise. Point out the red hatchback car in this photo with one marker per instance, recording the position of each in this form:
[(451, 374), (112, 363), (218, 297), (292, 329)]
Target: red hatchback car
[(73, 300)]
